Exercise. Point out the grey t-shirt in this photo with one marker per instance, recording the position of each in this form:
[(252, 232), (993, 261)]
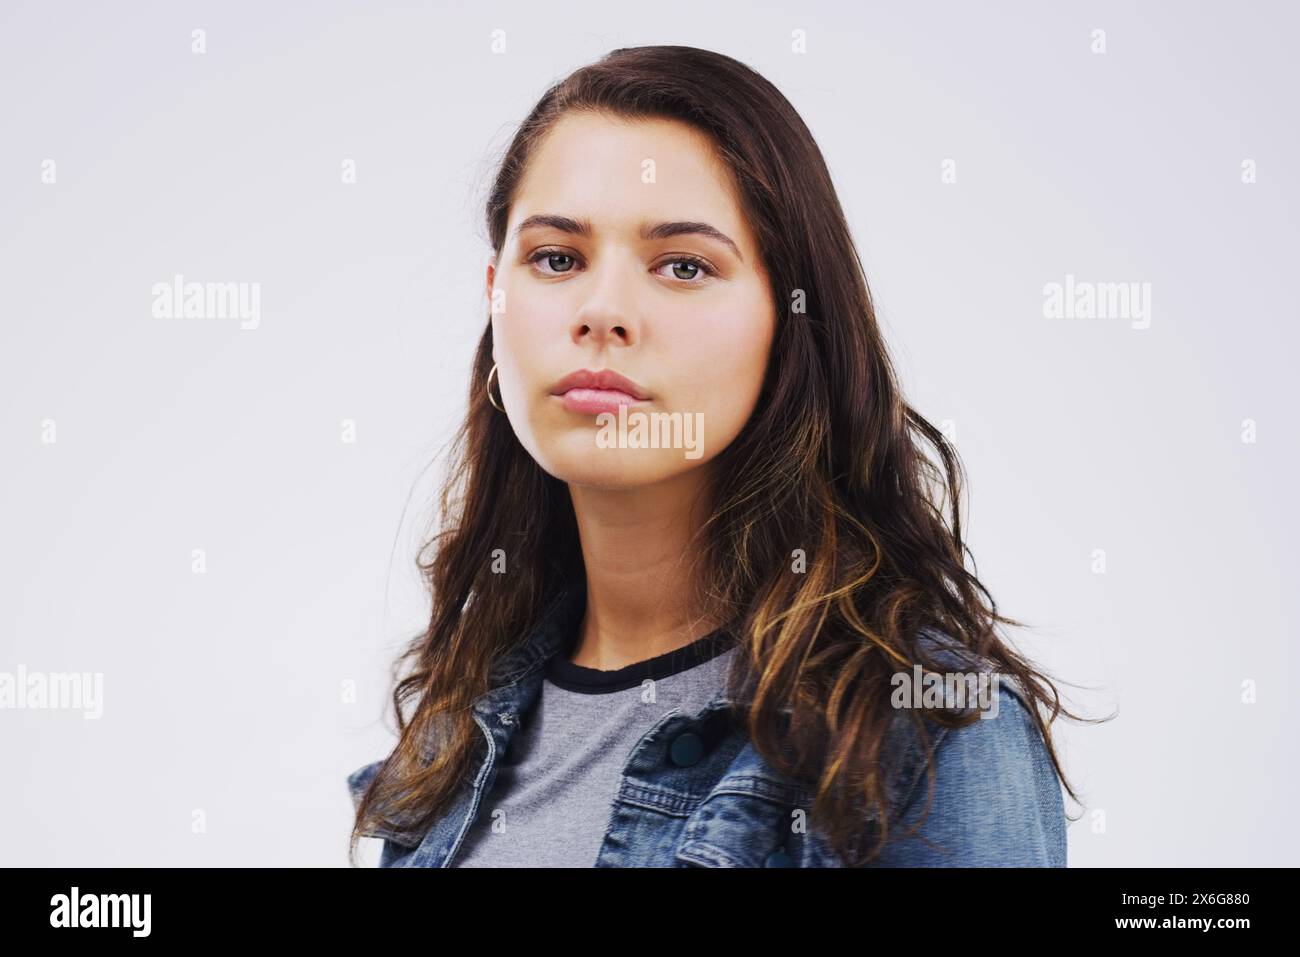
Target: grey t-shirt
[(551, 801)]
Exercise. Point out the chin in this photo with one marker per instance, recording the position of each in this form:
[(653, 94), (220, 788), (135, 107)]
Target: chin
[(579, 462)]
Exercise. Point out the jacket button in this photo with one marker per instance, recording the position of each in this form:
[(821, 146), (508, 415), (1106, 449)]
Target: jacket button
[(779, 858), (686, 749)]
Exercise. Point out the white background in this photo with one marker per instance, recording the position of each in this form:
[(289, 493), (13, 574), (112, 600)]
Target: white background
[(222, 691)]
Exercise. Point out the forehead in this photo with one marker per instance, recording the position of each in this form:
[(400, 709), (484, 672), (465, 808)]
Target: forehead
[(618, 172)]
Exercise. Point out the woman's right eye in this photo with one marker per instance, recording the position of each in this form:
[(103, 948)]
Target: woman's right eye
[(557, 261)]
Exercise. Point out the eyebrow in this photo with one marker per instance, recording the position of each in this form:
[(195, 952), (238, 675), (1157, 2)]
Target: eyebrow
[(583, 227)]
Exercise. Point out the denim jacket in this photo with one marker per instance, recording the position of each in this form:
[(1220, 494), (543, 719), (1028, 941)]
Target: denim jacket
[(695, 793)]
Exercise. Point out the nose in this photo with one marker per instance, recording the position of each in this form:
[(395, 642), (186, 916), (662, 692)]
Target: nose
[(607, 314)]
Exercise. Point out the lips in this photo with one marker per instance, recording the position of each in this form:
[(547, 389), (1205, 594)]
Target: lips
[(589, 392), (605, 379)]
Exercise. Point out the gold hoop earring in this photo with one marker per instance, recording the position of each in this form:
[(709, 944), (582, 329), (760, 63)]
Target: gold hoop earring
[(489, 388)]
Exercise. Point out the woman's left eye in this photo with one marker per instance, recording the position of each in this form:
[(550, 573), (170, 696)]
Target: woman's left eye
[(692, 266)]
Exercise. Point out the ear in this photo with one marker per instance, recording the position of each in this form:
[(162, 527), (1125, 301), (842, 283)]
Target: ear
[(491, 279)]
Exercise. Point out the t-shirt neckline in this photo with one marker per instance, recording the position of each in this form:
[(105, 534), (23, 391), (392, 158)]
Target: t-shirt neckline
[(561, 671)]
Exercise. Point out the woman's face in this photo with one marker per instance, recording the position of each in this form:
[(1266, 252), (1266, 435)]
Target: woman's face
[(626, 251)]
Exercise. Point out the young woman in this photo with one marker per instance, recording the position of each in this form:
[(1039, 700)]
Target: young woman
[(691, 562)]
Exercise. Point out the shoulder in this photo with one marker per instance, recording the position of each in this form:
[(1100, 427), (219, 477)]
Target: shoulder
[(360, 779), (358, 783), (996, 798), (392, 833)]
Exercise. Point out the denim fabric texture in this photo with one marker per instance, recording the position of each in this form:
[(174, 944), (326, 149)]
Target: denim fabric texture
[(695, 793)]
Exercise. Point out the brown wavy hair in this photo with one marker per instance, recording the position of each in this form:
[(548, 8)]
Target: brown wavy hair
[(833, 465)]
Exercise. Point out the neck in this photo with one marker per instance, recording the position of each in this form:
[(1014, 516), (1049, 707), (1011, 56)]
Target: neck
[(637, 548)]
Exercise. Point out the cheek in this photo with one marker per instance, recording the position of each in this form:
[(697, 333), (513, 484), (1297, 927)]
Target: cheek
[(525, 320), (724, 356), (526, 336)]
